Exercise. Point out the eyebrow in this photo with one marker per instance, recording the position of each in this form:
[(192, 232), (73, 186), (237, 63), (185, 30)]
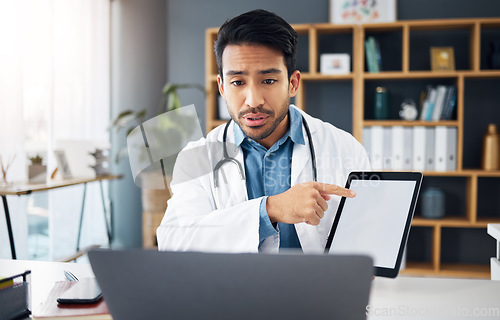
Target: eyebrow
[(266, 71)]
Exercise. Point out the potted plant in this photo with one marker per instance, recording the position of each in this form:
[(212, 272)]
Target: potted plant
[(37, 171), (154, 198)]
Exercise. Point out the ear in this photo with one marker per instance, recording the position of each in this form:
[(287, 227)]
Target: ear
[(220, 84), (294, 83)]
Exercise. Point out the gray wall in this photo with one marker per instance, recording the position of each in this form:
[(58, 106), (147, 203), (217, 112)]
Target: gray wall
[(138, 50)]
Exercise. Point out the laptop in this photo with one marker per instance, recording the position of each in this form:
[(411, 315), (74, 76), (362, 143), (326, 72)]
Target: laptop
[(142, 284)]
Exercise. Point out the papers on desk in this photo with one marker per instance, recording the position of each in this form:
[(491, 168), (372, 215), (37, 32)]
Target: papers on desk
[(50, 309), (416, 148)]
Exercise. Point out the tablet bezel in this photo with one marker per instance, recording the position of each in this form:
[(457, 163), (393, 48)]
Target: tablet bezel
[(382, 175)]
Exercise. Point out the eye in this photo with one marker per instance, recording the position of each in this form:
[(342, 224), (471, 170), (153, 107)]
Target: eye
[(269, 81), (237, 83)]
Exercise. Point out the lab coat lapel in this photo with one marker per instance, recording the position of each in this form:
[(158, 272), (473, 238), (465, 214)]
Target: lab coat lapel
[(302, 172)]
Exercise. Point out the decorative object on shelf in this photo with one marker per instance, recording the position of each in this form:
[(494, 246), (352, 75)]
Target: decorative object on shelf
[(408, 110), (5, 167), (491, 149), (37, 171), (494, 55), (335, 63), (442, 59), (365, 11), (101, 166), (433, 203), (381, 108), (62, 164), (373, 56)]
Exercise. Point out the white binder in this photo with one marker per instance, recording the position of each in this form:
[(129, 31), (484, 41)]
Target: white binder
[(367, 140), (430, 134), (377, 147), (397, 148), (418, 148), (440, 148), (451, 145), (407, 148), (388, 159)]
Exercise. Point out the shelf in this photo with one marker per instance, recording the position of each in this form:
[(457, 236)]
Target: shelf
[(409, 75), (406, 44), (465, 270), (392, 123), (447, 270), (451, 222), (459, 173), (324, 77), (431, 74)]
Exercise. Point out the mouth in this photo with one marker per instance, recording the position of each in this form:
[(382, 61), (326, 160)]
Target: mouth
[(255, 119)]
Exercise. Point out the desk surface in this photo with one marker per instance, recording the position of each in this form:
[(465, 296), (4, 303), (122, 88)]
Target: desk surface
[(43, 275), (18, 189), (400, 298)]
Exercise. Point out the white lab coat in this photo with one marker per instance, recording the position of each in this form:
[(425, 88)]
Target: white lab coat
[(192, 221)]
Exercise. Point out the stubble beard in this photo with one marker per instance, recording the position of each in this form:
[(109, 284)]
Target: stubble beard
[(253, 132)]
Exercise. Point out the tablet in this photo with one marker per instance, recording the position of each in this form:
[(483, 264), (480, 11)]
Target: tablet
[(377, 221)]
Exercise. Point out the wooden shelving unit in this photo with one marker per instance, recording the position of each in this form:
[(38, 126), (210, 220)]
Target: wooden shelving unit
[(359, 77)]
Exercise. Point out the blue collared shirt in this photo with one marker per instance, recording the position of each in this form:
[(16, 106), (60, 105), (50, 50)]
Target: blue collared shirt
[(268, 172)]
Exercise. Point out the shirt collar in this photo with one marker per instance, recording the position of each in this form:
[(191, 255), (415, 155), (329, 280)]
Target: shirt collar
[(295, 130)]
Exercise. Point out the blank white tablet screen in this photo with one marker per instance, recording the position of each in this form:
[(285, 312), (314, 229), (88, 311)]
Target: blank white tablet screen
[(373, 222)]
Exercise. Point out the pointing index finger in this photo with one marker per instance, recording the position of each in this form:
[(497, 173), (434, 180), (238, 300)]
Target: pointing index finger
[(327, 188)]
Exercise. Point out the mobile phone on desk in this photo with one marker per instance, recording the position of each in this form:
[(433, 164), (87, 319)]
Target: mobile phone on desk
[(82, 292)]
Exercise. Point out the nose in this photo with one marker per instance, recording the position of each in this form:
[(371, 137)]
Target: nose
[(254, 97)]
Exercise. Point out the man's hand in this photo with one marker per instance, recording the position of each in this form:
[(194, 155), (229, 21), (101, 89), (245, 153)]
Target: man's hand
[(305, 202)]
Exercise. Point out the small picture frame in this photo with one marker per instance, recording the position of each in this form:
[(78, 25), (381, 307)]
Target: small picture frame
[(442, 59), (366, 11), (335, 63), (62, 164)]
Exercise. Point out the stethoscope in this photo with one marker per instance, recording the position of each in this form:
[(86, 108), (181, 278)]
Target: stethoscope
[(227, 159)]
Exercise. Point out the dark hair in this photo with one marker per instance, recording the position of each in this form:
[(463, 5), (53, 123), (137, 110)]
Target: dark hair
[(258, 27)]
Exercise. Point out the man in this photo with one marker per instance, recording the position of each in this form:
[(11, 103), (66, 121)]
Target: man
[(279, 205)]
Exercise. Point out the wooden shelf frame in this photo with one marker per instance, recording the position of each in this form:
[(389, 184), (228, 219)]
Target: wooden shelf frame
[(358, 77)]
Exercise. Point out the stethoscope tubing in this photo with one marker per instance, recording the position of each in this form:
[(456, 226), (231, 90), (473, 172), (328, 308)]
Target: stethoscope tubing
[(226, 159)]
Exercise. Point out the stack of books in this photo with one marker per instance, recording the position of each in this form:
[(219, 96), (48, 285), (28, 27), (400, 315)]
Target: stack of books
[(438, 103)]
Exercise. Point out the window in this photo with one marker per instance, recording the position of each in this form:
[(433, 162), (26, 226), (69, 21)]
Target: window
[(54, 86)]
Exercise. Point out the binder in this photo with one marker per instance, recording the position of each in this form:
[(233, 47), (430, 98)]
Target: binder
[(397, 148), (439, 104), (377, 147), (451, 144), (388, 159), (418, 148), (440, 148), (430, 134), (366, 140), (431, 100), (407, 148)]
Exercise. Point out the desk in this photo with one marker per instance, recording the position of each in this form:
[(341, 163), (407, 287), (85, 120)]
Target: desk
[(24, 189), (434, 299), (43, 275), (400, 298)]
